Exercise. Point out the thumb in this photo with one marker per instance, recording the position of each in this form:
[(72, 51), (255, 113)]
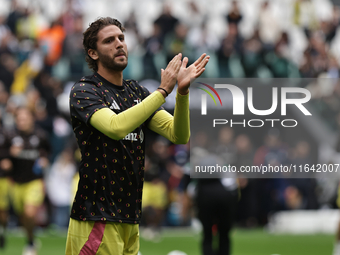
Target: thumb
[(162, 71)]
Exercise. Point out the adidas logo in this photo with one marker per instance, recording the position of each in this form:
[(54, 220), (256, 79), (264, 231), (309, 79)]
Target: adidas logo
[(114, 105)]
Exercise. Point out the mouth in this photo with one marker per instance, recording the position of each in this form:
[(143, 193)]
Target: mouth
[(120, 54)]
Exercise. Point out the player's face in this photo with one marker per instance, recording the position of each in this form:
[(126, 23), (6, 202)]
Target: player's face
[(24, 120), (111, 49)]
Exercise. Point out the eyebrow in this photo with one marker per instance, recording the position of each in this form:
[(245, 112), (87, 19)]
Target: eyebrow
[(113, 36)]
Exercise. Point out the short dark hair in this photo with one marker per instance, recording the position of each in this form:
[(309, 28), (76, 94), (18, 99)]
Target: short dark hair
[(90, 37)]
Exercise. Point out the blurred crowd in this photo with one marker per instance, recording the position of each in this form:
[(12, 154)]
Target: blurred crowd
[(40, 59), (261, 197)]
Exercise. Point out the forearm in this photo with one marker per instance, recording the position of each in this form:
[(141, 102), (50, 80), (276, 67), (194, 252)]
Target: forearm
[(175, 128), (182, 118), (117, 126)]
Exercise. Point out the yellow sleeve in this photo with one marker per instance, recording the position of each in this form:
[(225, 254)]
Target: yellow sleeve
[(117, 126), (175, 128)]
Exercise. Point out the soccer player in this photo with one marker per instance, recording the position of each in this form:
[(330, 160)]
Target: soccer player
[(109, 117), (29, 149), (5, 167)]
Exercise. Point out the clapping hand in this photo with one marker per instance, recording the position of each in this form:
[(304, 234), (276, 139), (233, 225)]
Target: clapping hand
[(187, 74)]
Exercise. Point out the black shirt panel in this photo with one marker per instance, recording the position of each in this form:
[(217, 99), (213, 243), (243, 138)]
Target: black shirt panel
[(4, 149), (34, 145)]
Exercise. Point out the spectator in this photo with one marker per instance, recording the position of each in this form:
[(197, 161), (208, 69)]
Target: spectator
[(28, 70), (73, 47), (60, 178), (70, 16), (176, 42), (51, 39), (166, 21), (278, 61), (305, 16), (201, 39), (268, 24), (234, 15), (247, 215), (275, 153), (252, 54), (301, 192), (153, 47), (194, 17), (225, 147), (8, 66), (15, 14)]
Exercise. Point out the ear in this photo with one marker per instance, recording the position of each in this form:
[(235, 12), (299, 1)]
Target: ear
[(93, 54)]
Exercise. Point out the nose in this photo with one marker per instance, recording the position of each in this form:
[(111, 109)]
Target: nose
[(119, 44)]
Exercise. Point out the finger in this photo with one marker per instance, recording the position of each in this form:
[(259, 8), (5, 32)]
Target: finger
[(178, 63), (171, 63), (199, 60), (204, 62), (199, 73), (176, 60), (162, 71), (185, 62)]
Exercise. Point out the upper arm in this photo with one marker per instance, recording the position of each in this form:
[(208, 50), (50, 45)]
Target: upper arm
[(102, 120), (85, 99)]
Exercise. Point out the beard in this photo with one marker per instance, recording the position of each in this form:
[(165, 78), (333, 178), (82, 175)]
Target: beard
[(111, 64)]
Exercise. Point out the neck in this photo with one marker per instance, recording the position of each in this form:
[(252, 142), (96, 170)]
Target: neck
[(111, 76), (27, 131)]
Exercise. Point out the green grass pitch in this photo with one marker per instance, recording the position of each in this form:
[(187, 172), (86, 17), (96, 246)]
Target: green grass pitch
[(245, 242)]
